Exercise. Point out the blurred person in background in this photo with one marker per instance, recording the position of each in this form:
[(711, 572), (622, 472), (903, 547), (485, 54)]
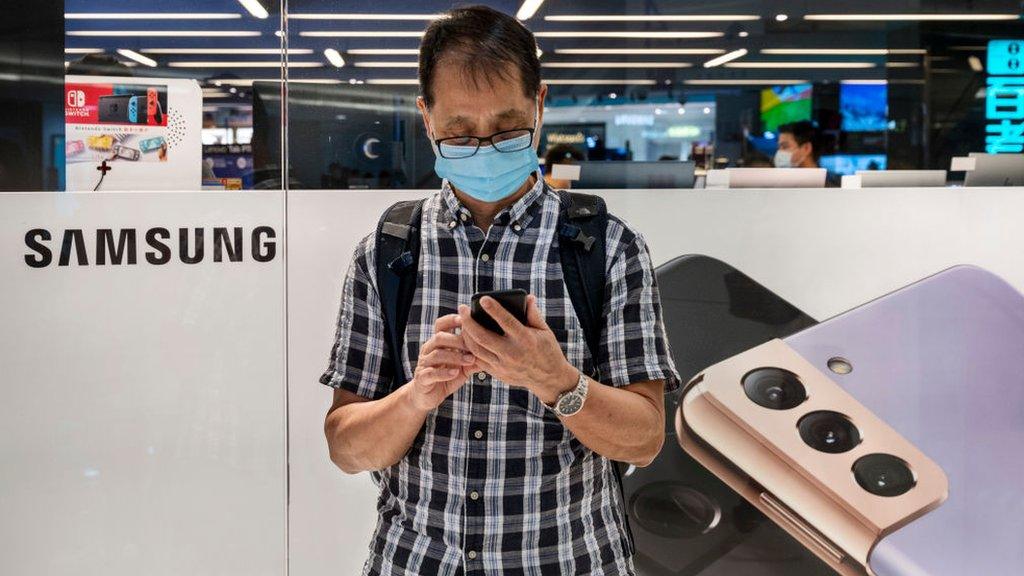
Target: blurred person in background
[(798, 146), (559, 154)]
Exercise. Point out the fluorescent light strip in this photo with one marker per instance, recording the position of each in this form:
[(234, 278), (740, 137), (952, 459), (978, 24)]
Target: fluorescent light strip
[(376, 64), (909, 17), (652, 18), (393, 81), (637, 65), (383, 52), (224, 51), (353, 34), (643, 35), (334, 57), (726, 58), (866, 82), (133, 55), (335, 16), (243, 64), (255, 8), (151, 16), (739, 82), (901, 65), (166, 33), (975, 63), (841, 51), (528, 8), (597, 81), (249, 81), (83, 50), (641, 51), (772, 65)]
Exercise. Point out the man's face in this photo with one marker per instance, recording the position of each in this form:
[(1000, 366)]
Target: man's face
[(462, 107), (789, 144)]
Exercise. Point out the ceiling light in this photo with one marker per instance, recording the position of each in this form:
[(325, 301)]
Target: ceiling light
[(644, 35), (255, 8), (975, 63), (910, 17), (166, 33), (151, 16), (83, 50), (707, 110), (602, 81), (867, 82), (742, 82), (901, 64), (133, 55), (393, 81), (332, 16), (334, 57), (726, 58), (385, 64), (641, 51), (224, 51), (356, 34), (651, 18), (637, 65), (743, 34), (800, 65), (249, 81), (528, 9), (681, 111), (613, 95), (841, 51), (781, 17), (383, 52), (539, 52), (243, 64)]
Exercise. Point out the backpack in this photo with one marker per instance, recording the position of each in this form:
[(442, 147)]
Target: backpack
[(582, 221)]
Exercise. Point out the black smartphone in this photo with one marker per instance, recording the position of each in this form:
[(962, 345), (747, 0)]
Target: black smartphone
[(513, 300), (685, 521)]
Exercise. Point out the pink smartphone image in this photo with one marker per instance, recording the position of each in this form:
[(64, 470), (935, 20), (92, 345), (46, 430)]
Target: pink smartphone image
[(886, 439)]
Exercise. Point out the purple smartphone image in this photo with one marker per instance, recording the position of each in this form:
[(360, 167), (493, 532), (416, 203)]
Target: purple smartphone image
[(937, 361)]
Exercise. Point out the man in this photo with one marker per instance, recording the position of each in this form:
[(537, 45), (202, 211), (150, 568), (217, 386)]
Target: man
[(477, 473), (559, 154), (797, 146)]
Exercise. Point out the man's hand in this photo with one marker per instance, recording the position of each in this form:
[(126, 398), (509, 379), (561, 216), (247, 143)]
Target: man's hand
[(443, 367), (528, 355)]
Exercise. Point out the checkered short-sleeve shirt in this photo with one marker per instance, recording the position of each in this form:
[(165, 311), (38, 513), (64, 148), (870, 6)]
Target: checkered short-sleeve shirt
[(493, 482)]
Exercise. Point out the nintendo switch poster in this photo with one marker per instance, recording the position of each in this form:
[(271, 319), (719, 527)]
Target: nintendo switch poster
[(126, 133)]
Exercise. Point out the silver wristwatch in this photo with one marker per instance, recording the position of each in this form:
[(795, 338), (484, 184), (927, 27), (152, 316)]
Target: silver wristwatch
[(571, 402)]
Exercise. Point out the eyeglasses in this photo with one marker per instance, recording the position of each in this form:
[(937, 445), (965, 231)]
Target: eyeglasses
[(504, 141)]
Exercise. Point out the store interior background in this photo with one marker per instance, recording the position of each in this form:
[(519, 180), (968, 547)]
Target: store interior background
[(628, 81)]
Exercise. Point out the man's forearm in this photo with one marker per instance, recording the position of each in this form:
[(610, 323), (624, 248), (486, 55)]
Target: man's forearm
[(619, 423), (373, 435)]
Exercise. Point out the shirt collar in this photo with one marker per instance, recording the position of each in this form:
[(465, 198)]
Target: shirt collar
[(519, 212)]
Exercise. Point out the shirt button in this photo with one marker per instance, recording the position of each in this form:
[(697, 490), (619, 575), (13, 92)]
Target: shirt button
[(478, 434), (485, 257), (471, 554), (517, 227), (474, 495), (481, 375), (464, 216), (453, 224)]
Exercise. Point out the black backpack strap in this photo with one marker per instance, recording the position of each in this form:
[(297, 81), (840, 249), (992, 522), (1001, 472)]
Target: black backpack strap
[(582, 221), (397, 253)]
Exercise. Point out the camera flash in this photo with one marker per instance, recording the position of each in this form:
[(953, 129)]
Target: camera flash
[(840, 365)]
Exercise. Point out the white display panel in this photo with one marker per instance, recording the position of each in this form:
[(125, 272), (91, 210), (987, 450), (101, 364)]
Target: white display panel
[(142, 423), (823, 250)]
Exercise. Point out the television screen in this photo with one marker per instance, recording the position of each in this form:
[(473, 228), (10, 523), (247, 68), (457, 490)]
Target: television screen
[(848, 164), (784, 104), (864, 106)]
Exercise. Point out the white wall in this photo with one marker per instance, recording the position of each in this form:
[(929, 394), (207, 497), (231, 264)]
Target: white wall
[(142, 407), (823, 250)]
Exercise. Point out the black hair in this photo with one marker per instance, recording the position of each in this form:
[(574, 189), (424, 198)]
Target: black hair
[(101, 64), (484, 43), (803, 132)]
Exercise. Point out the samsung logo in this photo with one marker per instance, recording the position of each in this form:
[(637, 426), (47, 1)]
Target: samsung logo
[(120, 247)]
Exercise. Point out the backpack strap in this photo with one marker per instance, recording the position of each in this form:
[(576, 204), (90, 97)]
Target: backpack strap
[(582, 221), (397, 252)]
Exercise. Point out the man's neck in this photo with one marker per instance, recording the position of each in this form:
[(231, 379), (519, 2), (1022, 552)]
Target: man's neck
[(484, 212)]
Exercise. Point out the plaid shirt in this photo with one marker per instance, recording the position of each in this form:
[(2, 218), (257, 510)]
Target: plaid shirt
[(494, 483)]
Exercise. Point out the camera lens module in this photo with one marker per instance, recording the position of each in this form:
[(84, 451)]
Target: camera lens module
[(774, 388)]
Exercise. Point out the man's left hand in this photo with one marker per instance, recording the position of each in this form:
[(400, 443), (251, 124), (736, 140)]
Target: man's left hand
[(528, 355)]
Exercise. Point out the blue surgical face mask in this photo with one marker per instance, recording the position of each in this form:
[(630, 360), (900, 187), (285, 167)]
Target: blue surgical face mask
[(489, 175)]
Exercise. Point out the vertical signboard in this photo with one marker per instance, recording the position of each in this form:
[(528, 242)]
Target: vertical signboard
[(1004, 97)]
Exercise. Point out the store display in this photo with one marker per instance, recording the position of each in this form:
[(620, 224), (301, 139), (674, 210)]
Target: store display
[(784, 104)]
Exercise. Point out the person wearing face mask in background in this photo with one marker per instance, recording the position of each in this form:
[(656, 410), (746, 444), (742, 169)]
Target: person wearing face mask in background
[(479, 470), (797, 146)]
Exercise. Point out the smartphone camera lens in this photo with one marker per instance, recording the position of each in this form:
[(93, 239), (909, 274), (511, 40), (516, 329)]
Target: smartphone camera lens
[(828, 431), (774, 388), (883, 475)]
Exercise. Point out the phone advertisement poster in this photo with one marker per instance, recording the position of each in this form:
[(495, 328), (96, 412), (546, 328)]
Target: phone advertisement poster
[(132, 133)]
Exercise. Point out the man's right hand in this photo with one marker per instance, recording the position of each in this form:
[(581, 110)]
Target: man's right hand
[(444, 365)]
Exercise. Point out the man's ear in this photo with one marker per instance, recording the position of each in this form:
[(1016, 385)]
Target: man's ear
[(422, 105)]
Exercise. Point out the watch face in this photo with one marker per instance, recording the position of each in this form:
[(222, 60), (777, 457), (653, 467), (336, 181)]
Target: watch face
[(570, 404)]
